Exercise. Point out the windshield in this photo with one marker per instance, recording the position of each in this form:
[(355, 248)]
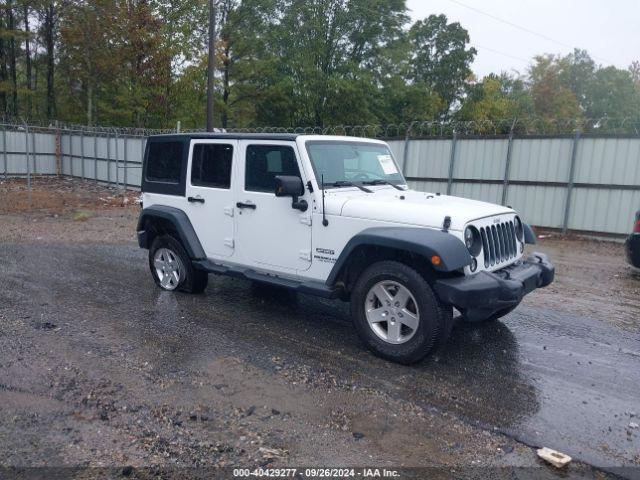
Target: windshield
[(342, 163)]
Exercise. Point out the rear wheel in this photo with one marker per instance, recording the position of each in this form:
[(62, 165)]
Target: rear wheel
[(171, 267), (396, 313)]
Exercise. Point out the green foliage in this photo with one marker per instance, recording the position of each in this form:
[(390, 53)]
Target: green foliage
[(612, 93), (440, 59), (551, 93), (328, 68), (573, 86), (289, 63), (497, 97)]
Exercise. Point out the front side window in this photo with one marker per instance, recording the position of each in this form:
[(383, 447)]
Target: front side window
[(211, 165), (264, 162), (164, 161), (353, 162)]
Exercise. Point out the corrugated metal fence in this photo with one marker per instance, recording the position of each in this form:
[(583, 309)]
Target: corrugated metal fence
[(583, 183), (106, 156)]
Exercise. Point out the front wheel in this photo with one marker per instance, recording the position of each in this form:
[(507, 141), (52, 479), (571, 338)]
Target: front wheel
[(172, 269), (396, 313)]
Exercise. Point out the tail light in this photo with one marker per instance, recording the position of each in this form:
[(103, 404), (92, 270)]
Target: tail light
[(636, 228)]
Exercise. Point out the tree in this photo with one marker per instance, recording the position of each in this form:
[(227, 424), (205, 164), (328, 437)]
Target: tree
[(289, 63), (573, 86), (49, 15), (402, 102), (244, 58), (144, 66), (577, 72), (11, 54), (333, 51), (613, 94), (440, 58), (495, 99), (112, 59), (27, 53), (4, 84), (552, 97), (183, 35), (211, 73), (86, 55)]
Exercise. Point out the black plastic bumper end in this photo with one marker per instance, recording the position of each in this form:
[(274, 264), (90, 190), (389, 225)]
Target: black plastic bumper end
[(490, 292)]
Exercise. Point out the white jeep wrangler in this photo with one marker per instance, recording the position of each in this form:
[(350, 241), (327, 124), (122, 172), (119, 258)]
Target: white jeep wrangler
[(332, 216)]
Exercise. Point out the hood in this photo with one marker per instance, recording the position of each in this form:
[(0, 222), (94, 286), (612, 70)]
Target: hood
[(410, 207)]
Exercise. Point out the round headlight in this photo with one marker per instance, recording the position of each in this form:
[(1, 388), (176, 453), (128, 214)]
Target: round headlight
[(519, 229), (472, 241)]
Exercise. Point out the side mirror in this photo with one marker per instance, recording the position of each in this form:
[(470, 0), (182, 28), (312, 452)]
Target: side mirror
[(291, 186)]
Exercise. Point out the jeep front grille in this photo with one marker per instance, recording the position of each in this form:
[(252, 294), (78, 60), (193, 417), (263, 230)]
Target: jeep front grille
[(499, 243)]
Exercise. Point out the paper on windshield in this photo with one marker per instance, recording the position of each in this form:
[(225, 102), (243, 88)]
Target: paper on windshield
[(386, 162)]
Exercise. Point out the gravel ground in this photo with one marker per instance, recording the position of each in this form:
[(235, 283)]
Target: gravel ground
[(100, 369), (592, 279)]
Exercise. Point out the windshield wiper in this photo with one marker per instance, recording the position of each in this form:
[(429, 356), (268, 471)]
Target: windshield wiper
[(383, 182), (345, 183)]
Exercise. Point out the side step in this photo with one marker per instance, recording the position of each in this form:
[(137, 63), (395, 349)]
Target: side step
[(311, 288)]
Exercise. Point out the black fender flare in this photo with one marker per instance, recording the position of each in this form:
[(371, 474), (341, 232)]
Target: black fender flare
[(529, 235), (422, 241), (180, 223)]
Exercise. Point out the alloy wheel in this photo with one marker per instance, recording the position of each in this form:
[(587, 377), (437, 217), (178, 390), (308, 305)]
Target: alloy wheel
[(392, 312), (169, 268)]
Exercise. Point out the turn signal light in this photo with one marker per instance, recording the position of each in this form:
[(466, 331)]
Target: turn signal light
[(436, 260), (474, 265)]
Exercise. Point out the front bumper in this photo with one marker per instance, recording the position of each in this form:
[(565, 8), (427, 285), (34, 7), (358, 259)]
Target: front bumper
[(632, 247), (486, 293)]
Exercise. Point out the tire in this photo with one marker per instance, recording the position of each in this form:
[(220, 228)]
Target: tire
[(425, 322), (172, 255), (446, 315)]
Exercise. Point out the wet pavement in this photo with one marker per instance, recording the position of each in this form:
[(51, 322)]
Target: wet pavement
[(541, 376)]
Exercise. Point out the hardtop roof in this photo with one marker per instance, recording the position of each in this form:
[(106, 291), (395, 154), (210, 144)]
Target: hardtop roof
[(285, 137), (230, 136)]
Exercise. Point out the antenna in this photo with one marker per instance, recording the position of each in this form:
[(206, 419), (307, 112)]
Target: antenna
[(325, 222)]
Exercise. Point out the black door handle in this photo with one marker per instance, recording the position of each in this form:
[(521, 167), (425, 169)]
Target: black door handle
[(246, 205), (195, 199)]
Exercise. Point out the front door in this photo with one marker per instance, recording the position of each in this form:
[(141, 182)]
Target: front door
[(270, 232), (210, 197)]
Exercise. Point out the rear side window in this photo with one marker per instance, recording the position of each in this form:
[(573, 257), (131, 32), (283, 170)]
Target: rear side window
[(211, 165), (164, 162), (264, 162)]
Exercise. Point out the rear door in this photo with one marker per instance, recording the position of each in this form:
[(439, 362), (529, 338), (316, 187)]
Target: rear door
[(210, 197), (270, 232)]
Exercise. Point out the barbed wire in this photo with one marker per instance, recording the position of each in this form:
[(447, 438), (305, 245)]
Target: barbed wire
[(428, 128)]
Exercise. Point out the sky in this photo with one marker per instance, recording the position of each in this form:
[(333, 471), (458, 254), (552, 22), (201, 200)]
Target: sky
[(608, 29)]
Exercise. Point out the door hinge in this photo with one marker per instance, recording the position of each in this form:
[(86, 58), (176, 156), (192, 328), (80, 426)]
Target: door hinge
[(229, 242), (228, 211), (305, 219), (305, 255)]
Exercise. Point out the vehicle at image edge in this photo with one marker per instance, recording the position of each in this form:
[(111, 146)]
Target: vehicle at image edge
[(332, 216), (632, 245)]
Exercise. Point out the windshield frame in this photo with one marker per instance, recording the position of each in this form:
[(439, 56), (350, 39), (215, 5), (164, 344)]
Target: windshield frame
[(365, 143)]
